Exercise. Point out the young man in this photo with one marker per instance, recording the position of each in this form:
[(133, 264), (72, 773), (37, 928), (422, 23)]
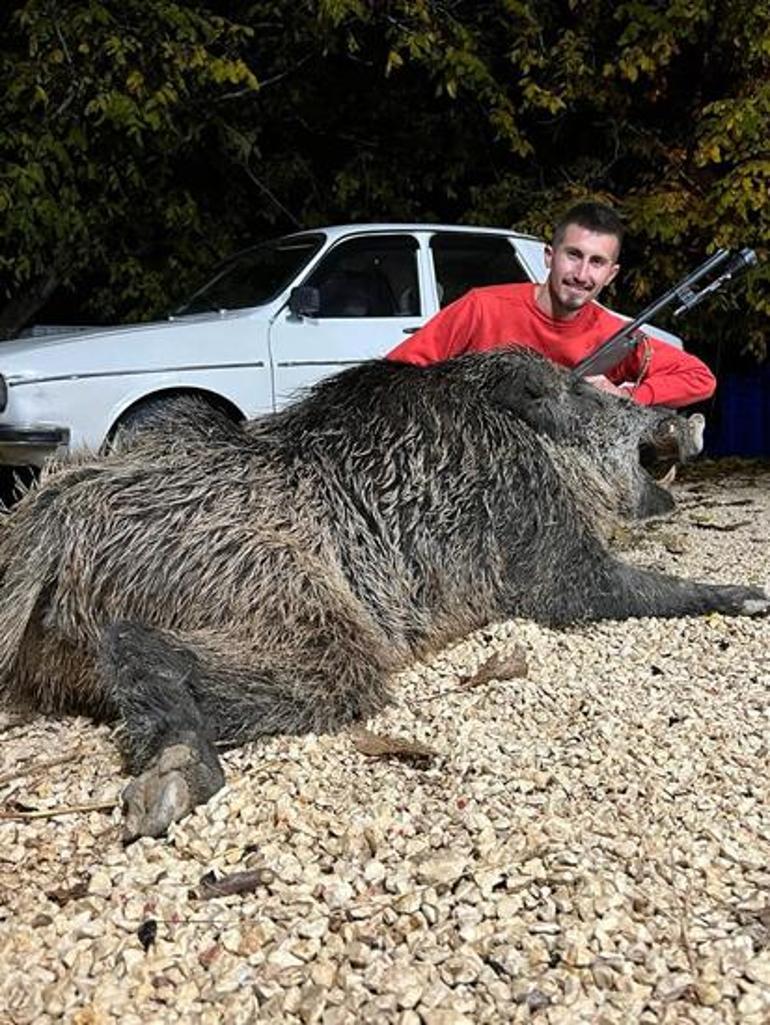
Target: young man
[(561, 319)]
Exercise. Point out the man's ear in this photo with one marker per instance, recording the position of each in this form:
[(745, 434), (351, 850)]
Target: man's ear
[(613, 274), (548, 255)]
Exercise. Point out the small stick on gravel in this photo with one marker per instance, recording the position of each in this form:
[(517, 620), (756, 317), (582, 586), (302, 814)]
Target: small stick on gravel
[(34, 768), (719, 503), (50, 813), (14, 720), (685, 912), (726, 527)]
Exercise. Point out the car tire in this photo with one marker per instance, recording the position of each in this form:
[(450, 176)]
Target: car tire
[(186, 413)]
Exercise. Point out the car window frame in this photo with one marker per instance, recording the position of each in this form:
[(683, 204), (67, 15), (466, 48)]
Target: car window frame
[(362, 237), (464, 235)]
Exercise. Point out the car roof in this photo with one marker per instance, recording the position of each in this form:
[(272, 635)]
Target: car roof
[(336, 230)]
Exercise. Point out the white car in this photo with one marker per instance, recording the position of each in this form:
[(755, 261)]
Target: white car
[(275, 318)]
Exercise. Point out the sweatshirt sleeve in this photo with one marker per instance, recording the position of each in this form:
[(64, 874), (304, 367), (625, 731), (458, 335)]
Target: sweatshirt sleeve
[(665, 375), (447, 334)]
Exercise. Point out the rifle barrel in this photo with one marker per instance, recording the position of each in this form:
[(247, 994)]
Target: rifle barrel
[(611, 352)]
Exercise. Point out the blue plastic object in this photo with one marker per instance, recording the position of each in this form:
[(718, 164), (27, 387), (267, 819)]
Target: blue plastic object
[(739, 422)]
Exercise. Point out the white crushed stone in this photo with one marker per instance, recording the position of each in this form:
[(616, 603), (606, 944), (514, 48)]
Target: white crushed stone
[(592, 843)]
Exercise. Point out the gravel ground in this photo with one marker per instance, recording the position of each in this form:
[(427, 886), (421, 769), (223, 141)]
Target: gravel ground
[(590, 842)]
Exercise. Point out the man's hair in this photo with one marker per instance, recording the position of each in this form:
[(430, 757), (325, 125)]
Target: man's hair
[(593, 217)]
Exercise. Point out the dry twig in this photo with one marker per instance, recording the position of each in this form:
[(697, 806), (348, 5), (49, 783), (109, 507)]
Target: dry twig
[(50, 813), (34, 768)]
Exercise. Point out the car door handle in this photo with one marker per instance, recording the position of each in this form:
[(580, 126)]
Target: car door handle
[(410, 330)]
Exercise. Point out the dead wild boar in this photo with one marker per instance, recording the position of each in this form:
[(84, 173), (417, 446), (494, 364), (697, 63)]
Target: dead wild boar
[(215, 582)]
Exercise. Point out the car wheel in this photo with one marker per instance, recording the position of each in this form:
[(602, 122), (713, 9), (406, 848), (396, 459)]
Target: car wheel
[(185, 415)]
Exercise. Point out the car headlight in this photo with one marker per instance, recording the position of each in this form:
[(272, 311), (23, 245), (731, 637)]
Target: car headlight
[(3, 393)]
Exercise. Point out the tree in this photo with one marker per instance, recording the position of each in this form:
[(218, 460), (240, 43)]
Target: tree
[(104, 104), (202, 131)]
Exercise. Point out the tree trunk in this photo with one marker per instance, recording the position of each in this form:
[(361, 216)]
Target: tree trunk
[(19, 311)]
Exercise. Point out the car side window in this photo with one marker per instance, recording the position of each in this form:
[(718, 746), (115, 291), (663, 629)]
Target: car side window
[(369, 277), (465, 261)]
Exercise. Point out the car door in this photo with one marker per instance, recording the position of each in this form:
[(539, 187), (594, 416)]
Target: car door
[(370, 294)]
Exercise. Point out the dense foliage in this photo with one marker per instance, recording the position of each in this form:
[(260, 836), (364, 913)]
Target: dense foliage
[(142, 139)]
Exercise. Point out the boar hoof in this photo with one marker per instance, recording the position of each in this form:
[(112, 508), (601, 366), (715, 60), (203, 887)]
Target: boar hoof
[(182, 775), (758, 605), (736, 600)]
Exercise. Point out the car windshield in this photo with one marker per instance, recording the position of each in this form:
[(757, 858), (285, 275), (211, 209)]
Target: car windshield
[(254, 276)]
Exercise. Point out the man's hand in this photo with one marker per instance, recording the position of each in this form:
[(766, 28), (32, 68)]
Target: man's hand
[(605, 384)]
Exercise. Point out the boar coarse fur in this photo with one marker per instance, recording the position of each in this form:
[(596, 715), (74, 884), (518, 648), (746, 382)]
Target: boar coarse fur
[(209, 582)]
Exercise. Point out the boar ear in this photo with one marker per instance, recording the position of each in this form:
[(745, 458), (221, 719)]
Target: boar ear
[(523, 397), (519, 393), (523, 380)]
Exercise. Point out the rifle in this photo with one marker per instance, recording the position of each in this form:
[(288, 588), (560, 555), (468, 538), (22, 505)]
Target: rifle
[(618, 346)]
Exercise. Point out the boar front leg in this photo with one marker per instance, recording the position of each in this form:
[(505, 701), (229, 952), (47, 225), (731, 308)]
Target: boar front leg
[(599, 586), (615, 590)]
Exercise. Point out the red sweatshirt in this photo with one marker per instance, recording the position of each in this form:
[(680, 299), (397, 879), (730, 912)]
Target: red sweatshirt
[(488, 318)]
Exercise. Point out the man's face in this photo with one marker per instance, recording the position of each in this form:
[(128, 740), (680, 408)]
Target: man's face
[(580, 266)]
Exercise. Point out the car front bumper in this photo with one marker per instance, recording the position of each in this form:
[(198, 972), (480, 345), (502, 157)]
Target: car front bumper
[(31, 444)]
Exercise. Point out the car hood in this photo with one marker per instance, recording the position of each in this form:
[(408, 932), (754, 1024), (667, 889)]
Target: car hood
[(133, 348)]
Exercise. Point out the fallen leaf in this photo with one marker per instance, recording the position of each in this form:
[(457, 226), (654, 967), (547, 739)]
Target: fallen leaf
[(147, 932), (210, 887), (377, 745), (63, 895), (507, 666), (762, 916), (207, 957)]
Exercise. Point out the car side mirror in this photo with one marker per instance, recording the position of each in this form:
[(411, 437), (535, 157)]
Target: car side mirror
[(305, 301)]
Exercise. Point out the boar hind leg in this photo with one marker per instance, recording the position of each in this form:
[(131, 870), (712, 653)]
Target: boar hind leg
[(163, 733), (175, 696)]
